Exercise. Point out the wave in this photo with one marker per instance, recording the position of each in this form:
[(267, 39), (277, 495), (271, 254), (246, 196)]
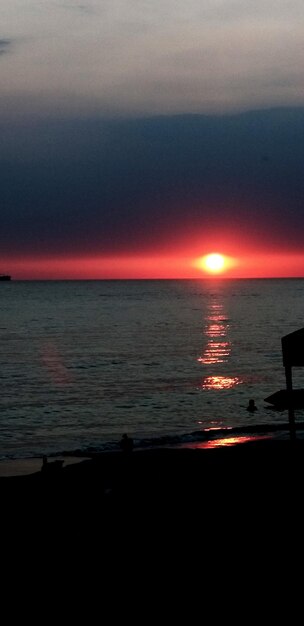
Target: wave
[(187, 439)]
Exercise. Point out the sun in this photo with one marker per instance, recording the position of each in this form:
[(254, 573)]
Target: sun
[(214, 263)]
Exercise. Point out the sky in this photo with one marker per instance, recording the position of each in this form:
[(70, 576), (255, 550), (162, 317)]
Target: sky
[(138, 136)]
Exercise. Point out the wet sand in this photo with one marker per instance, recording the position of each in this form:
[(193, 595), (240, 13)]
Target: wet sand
[(25, 467)]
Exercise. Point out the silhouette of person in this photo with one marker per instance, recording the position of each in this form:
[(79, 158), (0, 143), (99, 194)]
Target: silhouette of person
[(251, 406), (126, 443)]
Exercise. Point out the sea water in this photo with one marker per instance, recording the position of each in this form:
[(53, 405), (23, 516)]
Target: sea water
[(82, 362)]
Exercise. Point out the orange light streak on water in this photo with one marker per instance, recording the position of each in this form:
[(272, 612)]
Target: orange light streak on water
[(220, 382), (225, 442)]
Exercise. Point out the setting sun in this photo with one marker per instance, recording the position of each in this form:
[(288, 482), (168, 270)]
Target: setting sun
[(214, 263)]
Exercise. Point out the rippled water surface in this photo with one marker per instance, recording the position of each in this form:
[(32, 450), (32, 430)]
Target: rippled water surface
[(83, 362)]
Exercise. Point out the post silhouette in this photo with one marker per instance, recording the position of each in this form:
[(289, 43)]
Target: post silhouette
[(293, 356), (291, 413)]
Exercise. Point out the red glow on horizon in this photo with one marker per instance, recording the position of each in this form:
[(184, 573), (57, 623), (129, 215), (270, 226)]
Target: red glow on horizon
[(181, 266)]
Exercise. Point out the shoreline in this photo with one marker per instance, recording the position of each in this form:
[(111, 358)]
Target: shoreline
[(31, 466), (207, 438), (257, 453)]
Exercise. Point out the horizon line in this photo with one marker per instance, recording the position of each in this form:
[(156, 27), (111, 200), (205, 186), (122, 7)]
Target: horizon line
[(208, 278)]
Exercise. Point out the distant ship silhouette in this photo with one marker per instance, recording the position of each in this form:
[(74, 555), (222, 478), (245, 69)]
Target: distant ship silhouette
[(5, 277)]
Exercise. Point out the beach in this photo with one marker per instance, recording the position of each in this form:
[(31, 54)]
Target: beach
[(221, 494)]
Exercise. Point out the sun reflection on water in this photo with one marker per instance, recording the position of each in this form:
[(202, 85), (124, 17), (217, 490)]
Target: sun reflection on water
[(215, 352), (218, 347), (220, 382), (229, 441)]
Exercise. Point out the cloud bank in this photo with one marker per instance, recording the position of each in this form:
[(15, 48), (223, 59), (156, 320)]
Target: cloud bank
[(103, 186)]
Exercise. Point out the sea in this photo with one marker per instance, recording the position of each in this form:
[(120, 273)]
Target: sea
[(169, 362)]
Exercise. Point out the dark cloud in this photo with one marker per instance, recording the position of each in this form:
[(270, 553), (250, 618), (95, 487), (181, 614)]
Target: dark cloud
[(5, 45), (100, 186)]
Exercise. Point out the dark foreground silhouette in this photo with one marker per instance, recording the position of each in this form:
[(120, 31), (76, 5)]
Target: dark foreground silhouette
[(223, 494)]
